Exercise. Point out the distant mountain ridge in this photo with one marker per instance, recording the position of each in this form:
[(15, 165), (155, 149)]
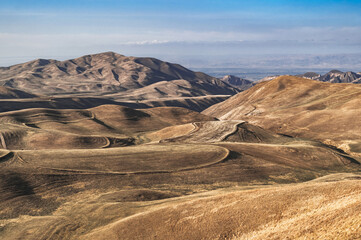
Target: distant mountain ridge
[(111, 73), (334, 76)]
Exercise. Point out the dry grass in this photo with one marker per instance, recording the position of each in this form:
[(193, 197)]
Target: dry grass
[(127, 160), (300, 107), (177, 190), (104, 126), (64, 194), (304, 211)]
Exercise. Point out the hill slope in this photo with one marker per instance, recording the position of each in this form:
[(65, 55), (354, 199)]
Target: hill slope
[(102, 126), (300, 107), (10, 93), (304, 211)]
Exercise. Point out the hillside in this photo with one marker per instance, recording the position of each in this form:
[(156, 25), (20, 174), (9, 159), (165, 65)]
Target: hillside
[(111, 73), (300, 107), (317, 210), (96, 173), (102, 126), (12, 100), (10, 93)]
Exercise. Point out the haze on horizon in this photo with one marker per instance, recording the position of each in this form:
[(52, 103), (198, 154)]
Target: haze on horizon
[(194, 33)]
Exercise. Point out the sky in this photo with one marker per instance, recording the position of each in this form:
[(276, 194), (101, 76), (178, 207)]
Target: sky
[(194, 32)]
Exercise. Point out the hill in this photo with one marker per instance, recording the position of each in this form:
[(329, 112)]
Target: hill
[(111, 73), (99, 127), (325, 210), (12, 99), (95, 173), (10, 93), (300, 107)]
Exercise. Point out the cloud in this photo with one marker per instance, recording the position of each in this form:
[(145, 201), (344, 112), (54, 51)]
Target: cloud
[(151, 42), (284, 40)]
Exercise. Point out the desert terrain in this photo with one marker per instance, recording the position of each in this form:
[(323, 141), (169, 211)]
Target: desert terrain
[(112, 147)]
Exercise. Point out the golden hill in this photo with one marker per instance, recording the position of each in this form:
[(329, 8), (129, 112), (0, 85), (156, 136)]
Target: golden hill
[(326, 210), (300, 107), (103, 126)]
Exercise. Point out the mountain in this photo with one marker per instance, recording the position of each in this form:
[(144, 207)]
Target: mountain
[(300, 107), (111, 73), (237, 82), (334, 76), (268, 78), (310, 75)]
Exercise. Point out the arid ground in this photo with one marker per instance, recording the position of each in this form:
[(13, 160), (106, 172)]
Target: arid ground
[(109, 154)]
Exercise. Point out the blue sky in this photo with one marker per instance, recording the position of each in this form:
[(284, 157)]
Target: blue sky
[(171, 29)]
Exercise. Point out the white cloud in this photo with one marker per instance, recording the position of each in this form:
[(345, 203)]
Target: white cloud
[(184, 42), (151, 42)]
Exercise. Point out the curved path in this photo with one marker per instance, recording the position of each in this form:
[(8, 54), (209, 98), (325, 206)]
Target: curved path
[(2, 140), (167, 159), (210, 131)]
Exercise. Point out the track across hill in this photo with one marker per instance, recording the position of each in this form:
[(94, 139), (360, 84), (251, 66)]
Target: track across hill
[(144, 159)]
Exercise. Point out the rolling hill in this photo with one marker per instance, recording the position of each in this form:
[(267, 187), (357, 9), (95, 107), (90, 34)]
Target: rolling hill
[(97, 172), (316, 210), (300, 107), (12, 99), (100, 127)]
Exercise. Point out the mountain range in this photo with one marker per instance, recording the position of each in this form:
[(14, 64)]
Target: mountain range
[(130, 81), (112, 75), (334, 76)]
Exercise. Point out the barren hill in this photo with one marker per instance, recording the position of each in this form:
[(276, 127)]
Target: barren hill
[(111, 73), (300, 107), (102, 126), (99, 172), (324, 210)]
